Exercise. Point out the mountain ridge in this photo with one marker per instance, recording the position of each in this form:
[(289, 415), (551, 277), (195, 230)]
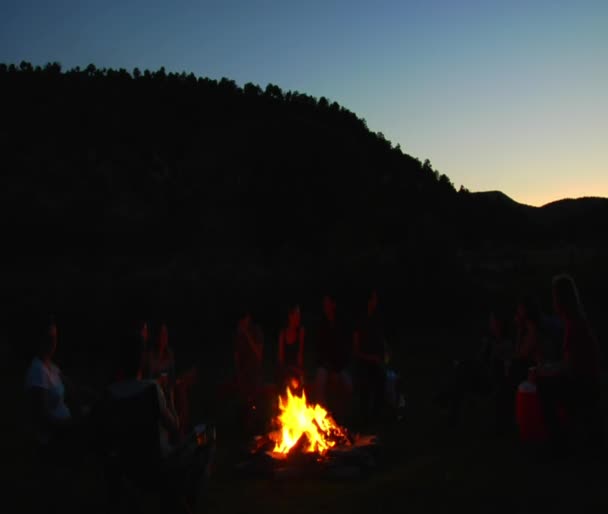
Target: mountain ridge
[(161, 184)]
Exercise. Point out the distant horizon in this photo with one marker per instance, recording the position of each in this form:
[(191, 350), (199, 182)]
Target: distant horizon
[(532, 203), (584, 197)]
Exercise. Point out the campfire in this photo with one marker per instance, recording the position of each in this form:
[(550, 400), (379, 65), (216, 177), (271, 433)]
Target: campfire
[(304, 428), (305, 441)]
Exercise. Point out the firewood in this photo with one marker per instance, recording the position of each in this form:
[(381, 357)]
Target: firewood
[(300, 446)]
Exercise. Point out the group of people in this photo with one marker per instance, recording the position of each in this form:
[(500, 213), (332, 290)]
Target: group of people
[(333, 350), (559, 353), (132, 424)]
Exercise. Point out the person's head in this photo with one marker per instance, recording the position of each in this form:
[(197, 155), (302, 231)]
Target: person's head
[(498, 324), (329, 307), (245, 319), (566, 299), (144, 332), (372, 302), (47, 342), (294, 316), (131, 354), (495, 325), (527, 312)]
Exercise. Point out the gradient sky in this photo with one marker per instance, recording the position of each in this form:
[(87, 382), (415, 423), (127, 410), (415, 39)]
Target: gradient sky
[(509, 95)]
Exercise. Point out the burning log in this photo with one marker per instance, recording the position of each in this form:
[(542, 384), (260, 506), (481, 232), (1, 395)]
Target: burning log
[(261, 443), (300, 447)]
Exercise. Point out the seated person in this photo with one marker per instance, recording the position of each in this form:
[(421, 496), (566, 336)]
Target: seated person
[(483, 374), (57, 429), (137, 426), (331, 353)]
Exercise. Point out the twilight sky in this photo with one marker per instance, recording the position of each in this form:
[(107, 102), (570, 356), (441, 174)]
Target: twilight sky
[(509, 95)]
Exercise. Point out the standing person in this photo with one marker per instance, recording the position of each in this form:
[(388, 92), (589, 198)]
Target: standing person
[(248, 355), (332, 353), (369, 346), (574, 383), (528, 345), (291, 349), (248, 361), (497, 357)]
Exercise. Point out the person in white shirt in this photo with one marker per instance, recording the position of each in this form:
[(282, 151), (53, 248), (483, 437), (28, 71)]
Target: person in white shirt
[(50, 416), (62, 432)]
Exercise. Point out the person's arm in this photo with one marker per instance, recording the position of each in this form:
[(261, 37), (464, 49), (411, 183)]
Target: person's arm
[(301, 349), (42, 413), (167, 419)]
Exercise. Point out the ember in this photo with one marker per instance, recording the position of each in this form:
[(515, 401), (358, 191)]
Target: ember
[(305, 428)]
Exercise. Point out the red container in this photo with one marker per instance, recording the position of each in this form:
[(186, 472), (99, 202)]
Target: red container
[(528, 414)]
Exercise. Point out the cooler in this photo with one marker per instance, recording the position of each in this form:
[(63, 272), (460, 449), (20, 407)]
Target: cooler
[(528, 414)]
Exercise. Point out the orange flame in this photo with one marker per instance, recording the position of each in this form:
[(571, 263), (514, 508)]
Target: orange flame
[(297, 418)]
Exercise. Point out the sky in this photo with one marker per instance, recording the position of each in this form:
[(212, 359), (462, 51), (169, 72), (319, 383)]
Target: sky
[(504, 95)]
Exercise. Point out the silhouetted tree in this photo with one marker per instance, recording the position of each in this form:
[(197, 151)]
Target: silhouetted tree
[(252, 89), (274, 92)]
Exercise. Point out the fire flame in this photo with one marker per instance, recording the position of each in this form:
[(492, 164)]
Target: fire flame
[(298, 419)]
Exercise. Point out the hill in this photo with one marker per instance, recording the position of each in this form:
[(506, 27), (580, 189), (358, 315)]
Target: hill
[(580, 221), (146, 171), (154, 190)]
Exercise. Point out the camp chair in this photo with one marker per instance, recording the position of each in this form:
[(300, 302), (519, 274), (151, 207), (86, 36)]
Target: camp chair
[(51, 469), (133, 462)]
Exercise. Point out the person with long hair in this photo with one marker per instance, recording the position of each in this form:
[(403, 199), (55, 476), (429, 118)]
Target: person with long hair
[(574, 382)]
